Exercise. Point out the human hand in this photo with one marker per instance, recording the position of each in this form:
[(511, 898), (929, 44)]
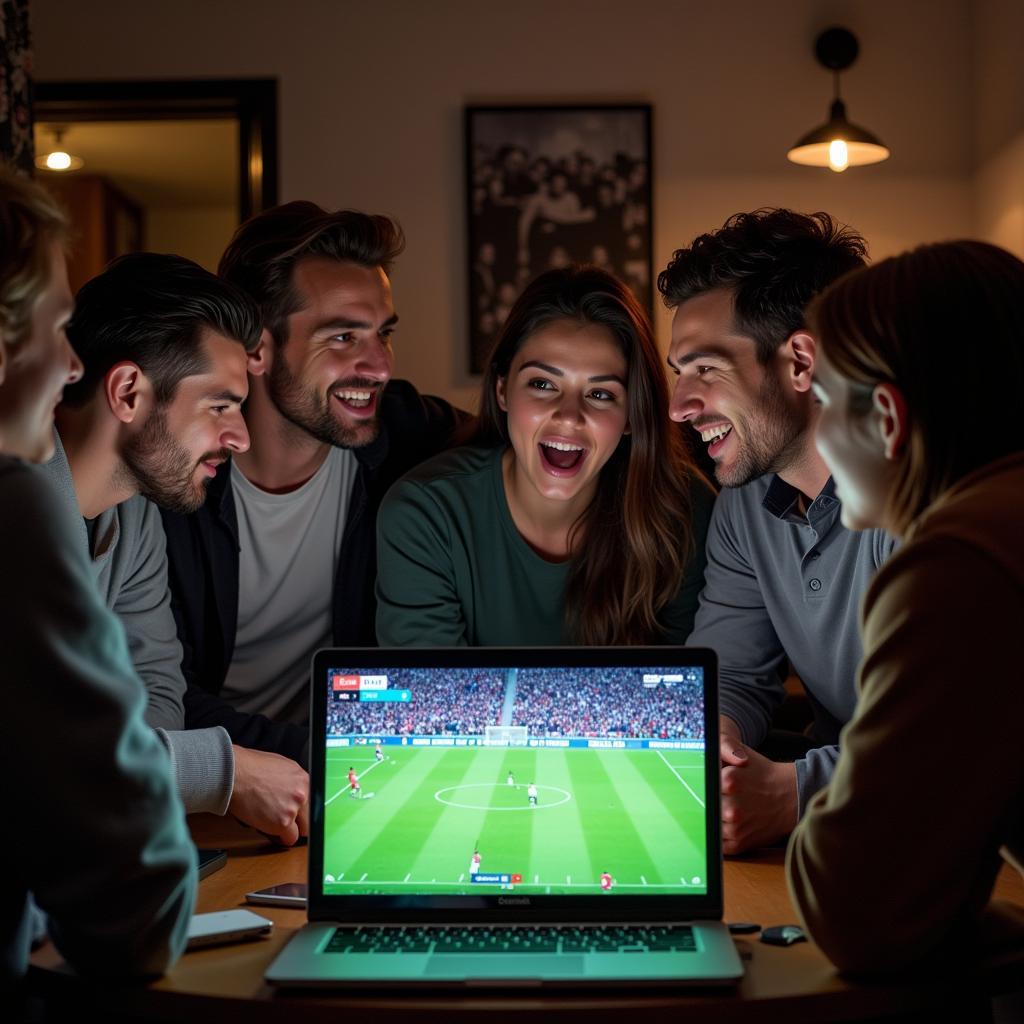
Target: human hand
[(759, 798), (271, 794)]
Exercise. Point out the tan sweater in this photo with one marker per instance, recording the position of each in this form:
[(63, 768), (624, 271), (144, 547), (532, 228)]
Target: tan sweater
[(894, 863)]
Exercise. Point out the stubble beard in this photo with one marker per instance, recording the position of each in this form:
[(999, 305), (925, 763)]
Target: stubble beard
[(771, 438), (161, 469), (306, 409)]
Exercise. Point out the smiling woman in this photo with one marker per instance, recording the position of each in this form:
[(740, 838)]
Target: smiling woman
[(575, 517)]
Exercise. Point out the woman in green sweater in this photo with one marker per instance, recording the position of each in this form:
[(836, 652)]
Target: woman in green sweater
[(575, 516), (920, 373)]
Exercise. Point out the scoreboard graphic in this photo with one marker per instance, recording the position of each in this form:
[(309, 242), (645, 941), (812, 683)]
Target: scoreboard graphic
[(367, 689)]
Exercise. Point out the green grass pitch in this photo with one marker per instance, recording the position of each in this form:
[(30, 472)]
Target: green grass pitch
[(637, 814)]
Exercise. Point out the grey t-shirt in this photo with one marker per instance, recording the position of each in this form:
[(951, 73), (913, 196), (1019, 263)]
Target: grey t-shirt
[(778, 585), (289, 546)]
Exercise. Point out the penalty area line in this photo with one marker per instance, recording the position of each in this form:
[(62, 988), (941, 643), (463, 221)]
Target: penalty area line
[(680, 778)]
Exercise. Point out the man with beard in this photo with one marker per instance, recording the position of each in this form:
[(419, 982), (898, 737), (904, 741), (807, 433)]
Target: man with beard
[(784, 577), (158, 407), (281, 560)]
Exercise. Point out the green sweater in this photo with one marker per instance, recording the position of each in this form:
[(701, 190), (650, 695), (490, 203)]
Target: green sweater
[(453, 569)]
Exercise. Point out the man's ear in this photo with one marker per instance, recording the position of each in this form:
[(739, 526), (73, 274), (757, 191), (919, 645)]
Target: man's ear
[(259, 359), (893, 422), (127, 391), (500, 386), (801, 353)]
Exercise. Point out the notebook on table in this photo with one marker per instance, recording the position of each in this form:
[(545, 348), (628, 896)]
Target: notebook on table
[(513, 816)]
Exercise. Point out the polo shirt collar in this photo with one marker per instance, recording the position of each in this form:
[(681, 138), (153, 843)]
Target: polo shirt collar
[(780, 500)]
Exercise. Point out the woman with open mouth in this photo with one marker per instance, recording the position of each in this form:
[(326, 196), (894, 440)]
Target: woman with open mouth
[(574, 515)]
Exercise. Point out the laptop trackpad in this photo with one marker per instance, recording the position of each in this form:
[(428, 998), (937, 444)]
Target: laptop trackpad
[(503, 965)]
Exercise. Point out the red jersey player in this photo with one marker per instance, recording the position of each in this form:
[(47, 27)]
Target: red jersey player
[(353, 783), (606, 882)]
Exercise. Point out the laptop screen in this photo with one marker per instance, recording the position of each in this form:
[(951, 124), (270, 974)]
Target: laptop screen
[(448, 777)]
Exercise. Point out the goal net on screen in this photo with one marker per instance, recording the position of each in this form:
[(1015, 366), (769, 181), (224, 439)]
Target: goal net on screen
[(504, 735)]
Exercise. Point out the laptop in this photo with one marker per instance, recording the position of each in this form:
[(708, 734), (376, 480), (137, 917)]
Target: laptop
[(521, 816)]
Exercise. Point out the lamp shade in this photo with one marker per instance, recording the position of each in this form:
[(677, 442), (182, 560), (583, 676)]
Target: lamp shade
[(838, 144)]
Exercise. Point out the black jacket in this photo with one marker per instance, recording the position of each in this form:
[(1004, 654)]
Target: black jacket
[(202, 553)]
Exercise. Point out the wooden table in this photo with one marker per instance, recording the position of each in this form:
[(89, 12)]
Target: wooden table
[(794, 983)]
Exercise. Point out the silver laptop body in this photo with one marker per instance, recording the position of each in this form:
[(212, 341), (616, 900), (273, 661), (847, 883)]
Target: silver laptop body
[(506, 817)]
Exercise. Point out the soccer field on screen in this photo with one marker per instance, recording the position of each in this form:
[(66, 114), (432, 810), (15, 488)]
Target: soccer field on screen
[(636, 814)]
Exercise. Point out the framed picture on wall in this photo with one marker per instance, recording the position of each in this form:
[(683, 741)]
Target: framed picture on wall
[(548, 186)]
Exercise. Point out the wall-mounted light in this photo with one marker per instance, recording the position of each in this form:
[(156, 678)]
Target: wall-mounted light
[(838, 144), (58, 159)]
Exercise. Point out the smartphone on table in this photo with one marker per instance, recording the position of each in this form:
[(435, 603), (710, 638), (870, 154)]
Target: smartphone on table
[(287, 894)]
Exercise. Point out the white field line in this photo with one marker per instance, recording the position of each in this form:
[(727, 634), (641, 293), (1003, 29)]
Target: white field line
[(680, 778), (557, 885), (358, 776)]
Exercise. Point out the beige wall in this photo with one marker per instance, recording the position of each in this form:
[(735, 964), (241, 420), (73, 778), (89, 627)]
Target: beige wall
[(998, 34), (198, 232), (371, 97)]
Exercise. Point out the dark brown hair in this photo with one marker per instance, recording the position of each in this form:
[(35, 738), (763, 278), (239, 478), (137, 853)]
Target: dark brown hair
[(261, 257), (30, 221), (151, 308), (773, 261), (638, 527), (945, 324)]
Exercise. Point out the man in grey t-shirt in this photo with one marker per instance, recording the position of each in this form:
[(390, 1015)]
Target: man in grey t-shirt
[(784, 578), (163, 344)]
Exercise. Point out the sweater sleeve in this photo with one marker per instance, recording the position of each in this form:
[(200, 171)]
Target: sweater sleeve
[(143, 604), (102, 843), (202, 760), (900, 851), (417, 598), (734, 621)]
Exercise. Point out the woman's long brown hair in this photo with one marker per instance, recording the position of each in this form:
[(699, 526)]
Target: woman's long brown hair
[(632, 544)]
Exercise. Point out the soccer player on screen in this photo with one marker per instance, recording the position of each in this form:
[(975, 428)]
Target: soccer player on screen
[(378, 753), (531, 794), (606, 882), (474, 863), (511, 780), (353, 784)]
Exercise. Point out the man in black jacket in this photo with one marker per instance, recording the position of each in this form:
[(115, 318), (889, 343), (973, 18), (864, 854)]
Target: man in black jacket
[(281, 559)]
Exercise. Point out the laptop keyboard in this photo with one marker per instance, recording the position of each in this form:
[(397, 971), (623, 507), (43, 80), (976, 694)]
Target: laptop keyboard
[(513, 939)]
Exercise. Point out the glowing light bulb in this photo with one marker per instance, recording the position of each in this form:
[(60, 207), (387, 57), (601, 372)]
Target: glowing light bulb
[(838, 155), (58, 161)]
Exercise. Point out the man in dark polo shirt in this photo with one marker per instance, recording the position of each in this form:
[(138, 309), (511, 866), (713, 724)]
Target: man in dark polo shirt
[(784, 577), (281, 560)]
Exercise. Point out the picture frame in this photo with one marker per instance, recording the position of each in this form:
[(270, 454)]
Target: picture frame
[(550, 185)]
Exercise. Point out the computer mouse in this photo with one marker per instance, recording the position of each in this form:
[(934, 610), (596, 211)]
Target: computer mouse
[(783, 935)]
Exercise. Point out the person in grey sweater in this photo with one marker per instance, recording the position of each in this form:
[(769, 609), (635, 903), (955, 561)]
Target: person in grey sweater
[(784, 577), (163, 343), (102, 858)]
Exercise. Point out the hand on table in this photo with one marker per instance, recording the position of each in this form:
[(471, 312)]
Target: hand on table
[(759, 797), (271, 793)]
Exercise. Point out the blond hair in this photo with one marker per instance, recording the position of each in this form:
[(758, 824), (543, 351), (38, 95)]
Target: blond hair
[(30, 221)]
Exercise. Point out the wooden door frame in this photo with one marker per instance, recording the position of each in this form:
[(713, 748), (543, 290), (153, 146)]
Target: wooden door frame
[(252, 101)]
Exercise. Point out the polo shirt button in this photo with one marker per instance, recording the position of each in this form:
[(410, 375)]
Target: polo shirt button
[(815, 584)]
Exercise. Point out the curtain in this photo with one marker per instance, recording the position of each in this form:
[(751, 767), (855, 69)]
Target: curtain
[(16, 143)]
